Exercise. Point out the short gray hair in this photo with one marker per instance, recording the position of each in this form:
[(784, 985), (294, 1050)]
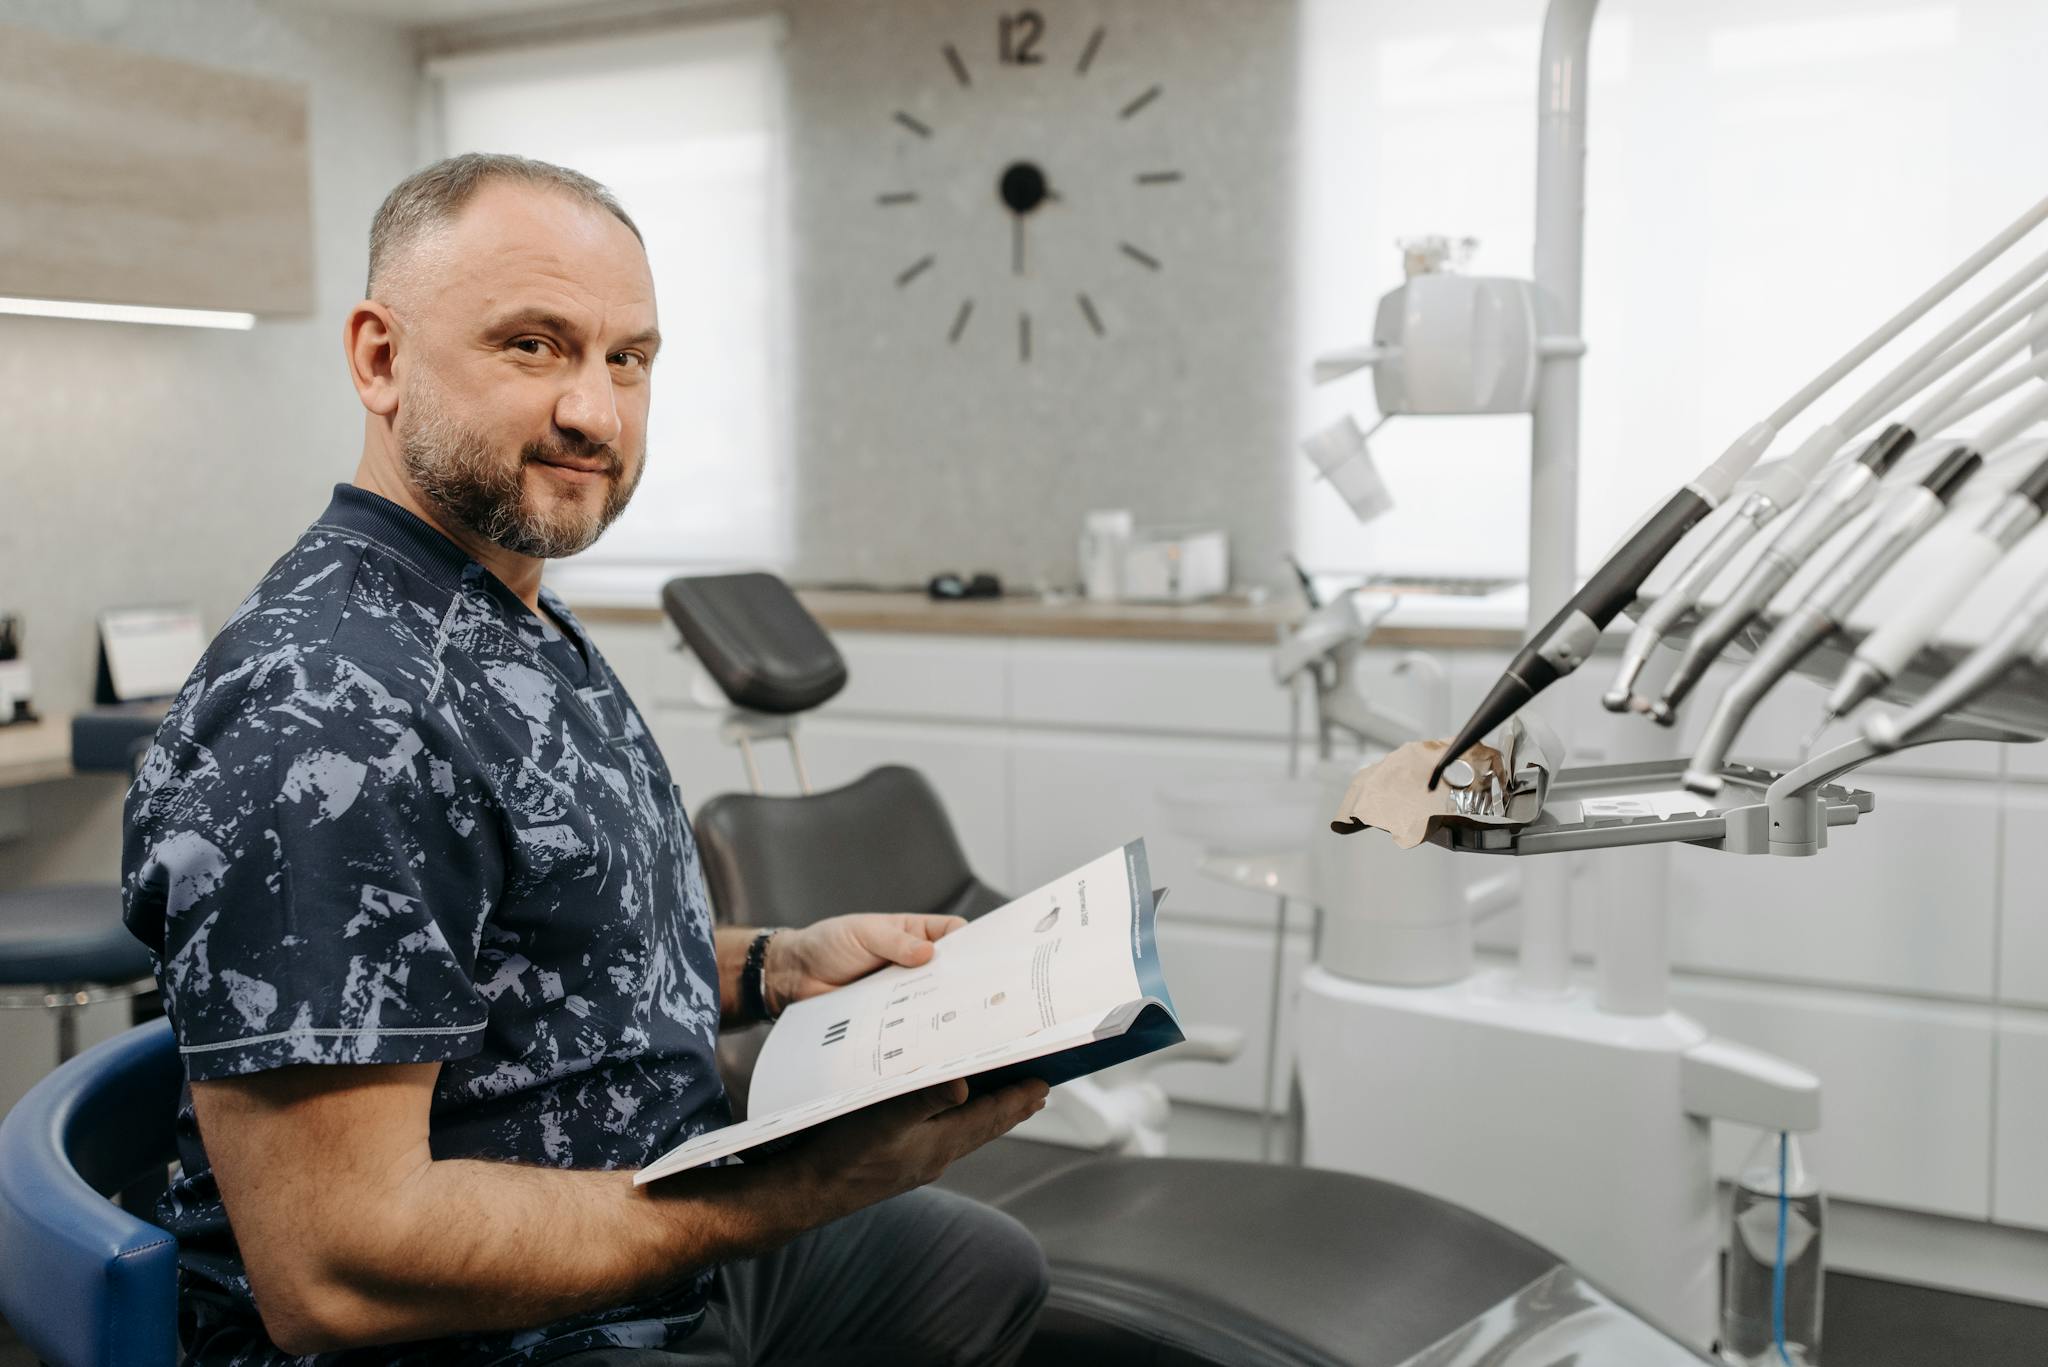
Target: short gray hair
[(436, 194)]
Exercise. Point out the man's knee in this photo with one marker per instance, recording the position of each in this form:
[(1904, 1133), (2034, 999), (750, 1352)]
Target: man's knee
[(1001, 1284)]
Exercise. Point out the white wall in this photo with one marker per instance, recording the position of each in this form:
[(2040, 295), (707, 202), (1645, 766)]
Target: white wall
[(1766, 180), (153, 464)]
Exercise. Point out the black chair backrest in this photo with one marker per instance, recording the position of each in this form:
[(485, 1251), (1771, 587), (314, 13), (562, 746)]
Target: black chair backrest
[(881, 843), (760, 645)]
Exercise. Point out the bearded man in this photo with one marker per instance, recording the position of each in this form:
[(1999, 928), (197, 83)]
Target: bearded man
[(428, 916)]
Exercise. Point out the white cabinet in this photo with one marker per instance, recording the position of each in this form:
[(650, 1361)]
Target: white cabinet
[(1074, 796), (2019, 1190), (2023, 949), (1188, 688), (1222, 975), (1904, 900), (1905, 1088)]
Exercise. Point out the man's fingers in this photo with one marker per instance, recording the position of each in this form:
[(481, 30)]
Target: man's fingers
[(995, 1114), (895, 944), (933, 927)]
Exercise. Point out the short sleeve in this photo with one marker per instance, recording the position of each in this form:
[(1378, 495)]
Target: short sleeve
[(311, 854)]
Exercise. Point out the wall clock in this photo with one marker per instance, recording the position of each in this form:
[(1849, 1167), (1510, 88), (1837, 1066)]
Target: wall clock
[(1008, 176)]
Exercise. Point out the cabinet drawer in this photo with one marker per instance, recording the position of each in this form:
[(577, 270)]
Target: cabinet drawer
[(1905, 1089), (2023, 938), (2019, 1184), (1906, 899), (1222, 975), (1074, 796), (1150, 686)]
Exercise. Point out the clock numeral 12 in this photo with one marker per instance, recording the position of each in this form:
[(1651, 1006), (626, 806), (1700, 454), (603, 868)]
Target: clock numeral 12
[(1019, 34)]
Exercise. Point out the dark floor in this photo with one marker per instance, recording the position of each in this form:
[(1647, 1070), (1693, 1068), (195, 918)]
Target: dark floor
[(1870, 1323)]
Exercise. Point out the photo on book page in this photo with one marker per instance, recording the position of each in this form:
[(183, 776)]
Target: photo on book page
[(1060, 983)]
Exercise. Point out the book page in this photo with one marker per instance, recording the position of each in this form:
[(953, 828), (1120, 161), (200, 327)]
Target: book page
[(1062, 954)]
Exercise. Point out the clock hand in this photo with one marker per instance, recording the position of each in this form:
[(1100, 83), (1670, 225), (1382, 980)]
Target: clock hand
[(1017, 244)]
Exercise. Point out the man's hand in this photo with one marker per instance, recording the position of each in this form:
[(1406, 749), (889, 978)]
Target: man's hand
[(835, 951), (907, 1141)]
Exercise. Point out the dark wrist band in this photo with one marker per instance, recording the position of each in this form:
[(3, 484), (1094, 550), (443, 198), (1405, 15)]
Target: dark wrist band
[(753, 992)]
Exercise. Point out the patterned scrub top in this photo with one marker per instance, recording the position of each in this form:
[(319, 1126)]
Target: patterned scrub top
[(394, 816)]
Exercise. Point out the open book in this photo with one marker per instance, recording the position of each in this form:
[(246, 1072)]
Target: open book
[(1059, 983)]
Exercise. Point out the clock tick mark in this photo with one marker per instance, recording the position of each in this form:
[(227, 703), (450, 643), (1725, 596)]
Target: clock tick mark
[(1088, 53), (1159, 178), (1088, 312), (1135, 105), (897, 197), (915, 126), (959, 67), (960, 322), (1024, 337), (915, 269), (1145, 259)]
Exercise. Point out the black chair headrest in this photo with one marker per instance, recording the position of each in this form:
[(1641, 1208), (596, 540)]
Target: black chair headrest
[(760, 644)]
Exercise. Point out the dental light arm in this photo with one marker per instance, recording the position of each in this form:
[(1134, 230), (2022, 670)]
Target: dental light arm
[(2022, 634), (1780, 486), (1569, 636), (1901, 520)]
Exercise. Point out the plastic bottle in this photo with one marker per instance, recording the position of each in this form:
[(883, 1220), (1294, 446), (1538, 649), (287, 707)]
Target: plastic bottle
[(1771, 1298)]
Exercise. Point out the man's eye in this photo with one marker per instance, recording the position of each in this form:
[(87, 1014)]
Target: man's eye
[(629, 360), (532, 346)]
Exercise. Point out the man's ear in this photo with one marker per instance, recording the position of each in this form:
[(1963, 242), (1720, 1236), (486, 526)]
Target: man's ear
[(370, 339)]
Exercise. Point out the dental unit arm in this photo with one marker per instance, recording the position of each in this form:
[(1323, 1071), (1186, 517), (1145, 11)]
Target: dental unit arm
[(1838, 496), (1888, 650), (1902, 518), (1564, 642), (2023, 634), (1326, 647)]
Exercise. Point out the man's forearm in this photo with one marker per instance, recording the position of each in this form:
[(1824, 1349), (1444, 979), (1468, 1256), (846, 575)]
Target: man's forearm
[(470, 1246)]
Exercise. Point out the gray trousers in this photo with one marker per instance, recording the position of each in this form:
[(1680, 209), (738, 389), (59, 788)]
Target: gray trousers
[(927, 1279)]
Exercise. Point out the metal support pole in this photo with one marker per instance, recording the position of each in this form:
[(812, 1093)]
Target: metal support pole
[(1545, 966)]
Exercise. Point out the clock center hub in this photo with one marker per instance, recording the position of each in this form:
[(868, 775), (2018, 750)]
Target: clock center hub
[(1022, 187)]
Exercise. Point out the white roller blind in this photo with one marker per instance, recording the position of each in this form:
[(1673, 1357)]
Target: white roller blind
[(685, 126)]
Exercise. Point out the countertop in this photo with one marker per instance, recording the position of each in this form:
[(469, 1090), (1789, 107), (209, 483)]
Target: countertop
[(33, 751), (1418, 621)]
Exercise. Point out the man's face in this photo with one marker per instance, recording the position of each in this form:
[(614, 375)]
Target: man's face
[(530, 328)]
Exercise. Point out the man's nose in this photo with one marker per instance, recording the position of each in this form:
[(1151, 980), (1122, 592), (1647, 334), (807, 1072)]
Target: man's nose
[(589, 407)]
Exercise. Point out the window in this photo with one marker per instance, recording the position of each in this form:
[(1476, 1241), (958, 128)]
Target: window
[(685, 126), (1767, 180)]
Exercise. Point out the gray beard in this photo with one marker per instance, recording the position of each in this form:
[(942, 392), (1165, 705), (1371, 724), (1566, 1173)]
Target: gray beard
[(456, 470)]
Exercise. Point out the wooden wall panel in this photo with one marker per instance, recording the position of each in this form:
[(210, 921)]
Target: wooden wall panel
[(134, 179)]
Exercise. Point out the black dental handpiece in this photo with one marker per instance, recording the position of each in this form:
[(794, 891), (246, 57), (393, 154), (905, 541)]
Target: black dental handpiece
[(1570, 636)]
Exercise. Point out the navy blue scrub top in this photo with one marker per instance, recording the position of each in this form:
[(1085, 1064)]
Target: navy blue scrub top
[(392, 817)]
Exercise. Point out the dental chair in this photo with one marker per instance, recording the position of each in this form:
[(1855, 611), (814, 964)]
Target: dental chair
[(1156, 1261)]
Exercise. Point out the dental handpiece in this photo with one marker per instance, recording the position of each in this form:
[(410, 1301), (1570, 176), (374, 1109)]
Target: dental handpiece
[(1890, 648), (1564, 642), (1823, 513), (1780, 487), (2020, 635), (1902, 518)]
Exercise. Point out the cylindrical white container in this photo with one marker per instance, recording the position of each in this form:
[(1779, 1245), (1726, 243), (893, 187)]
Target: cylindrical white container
[(1397, 917), (1105, 535)]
